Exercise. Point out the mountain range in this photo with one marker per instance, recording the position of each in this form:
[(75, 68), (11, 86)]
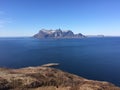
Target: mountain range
[(58, 33)]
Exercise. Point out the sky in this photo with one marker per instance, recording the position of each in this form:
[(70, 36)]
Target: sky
[(89, 17)]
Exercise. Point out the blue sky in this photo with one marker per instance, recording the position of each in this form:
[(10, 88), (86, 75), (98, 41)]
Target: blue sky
[(90, 17)]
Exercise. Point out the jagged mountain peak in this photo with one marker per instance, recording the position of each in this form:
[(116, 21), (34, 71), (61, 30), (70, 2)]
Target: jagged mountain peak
[(58, 33)]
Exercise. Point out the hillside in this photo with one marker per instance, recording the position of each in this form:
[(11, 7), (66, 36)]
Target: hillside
[(47, 78)]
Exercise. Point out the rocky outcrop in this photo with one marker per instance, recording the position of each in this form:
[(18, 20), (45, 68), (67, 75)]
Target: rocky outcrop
[(57, 34), (47, 78)]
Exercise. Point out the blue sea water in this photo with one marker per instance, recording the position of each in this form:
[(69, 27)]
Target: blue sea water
[(92, 58)]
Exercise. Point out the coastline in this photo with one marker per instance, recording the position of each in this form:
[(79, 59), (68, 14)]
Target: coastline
[(45, 76)]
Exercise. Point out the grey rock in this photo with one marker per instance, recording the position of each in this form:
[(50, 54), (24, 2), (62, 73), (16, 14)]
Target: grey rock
[(58, 33)]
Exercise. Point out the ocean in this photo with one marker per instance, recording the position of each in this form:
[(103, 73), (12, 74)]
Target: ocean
[(91, 58)]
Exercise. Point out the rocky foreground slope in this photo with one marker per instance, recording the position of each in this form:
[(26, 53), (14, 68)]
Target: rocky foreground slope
[(58, 33), (47, 78)]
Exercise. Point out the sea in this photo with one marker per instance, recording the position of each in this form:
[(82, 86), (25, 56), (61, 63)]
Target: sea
[(91, 58)]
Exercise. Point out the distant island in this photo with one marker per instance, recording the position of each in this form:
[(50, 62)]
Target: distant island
[(58, 33), (98, 36)]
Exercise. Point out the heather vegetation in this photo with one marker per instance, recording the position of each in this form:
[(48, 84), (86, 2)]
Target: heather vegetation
[(47, 78)]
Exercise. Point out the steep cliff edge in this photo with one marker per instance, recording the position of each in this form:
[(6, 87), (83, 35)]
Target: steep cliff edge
[(47, 78)]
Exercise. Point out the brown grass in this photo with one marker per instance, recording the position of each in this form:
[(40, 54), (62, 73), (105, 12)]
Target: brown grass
[(46, 78)]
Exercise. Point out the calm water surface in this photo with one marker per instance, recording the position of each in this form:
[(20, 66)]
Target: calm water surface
[(92, 58)]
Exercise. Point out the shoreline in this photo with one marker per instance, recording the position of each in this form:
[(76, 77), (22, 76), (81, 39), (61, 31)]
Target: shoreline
[(43, 76)]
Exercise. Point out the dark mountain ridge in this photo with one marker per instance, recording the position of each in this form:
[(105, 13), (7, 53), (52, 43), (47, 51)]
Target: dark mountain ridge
[(58, 33)]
